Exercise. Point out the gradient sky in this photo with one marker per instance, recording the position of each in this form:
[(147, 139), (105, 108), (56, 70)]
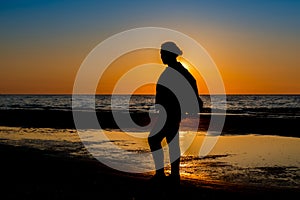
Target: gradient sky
[(255, 44)]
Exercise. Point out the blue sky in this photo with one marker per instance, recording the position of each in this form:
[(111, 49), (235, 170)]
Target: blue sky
[(50, 17)]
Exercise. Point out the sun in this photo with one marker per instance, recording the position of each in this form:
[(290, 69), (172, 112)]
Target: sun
[(185, 63)]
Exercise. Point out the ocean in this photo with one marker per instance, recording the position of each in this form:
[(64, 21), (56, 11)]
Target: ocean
[(266, 114), (280, 106)]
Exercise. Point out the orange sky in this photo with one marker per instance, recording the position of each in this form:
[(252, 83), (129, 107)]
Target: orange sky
[(243, 70), (246, 66), (123, 64)]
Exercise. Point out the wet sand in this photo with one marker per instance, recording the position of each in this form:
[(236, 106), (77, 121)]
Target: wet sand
[(53, 164), (36, 174)]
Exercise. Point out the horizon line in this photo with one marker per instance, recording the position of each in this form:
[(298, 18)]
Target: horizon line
[(150, 94)]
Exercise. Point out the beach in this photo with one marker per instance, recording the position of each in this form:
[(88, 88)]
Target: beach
[(52, 163)]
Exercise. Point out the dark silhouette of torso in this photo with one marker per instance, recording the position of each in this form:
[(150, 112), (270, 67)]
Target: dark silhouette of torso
[(166, 97)]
